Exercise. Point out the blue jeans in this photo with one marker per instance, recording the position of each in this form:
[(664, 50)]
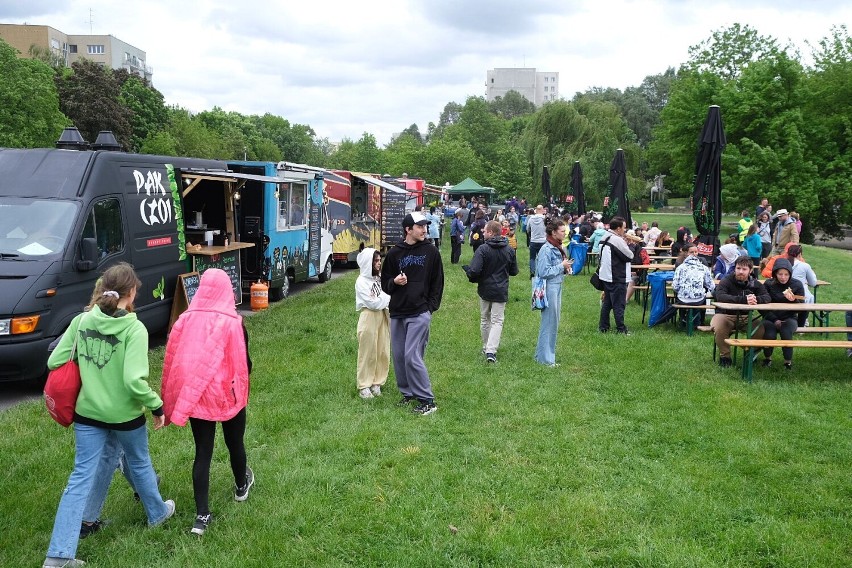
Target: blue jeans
[(545, 349), (97, 454)]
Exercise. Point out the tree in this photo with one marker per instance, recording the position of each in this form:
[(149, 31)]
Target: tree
[(147, 105), (29, 104), (404, 154), (827, 118), (447, 160), (90, 96), (414, 132), (728, 52), (513, 105)]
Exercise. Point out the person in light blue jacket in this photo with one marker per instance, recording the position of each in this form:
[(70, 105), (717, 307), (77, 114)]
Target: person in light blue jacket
[(551, 264), (434, 232)]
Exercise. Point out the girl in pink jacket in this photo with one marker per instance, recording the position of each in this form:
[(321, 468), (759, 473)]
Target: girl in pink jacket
[(206, 380)]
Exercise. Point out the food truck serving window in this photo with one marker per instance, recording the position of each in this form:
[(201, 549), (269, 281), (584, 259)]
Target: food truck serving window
[(104, 225), (291, 205)]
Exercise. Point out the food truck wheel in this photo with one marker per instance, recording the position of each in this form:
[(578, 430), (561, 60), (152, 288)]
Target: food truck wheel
[(281, 292), (325, 275)]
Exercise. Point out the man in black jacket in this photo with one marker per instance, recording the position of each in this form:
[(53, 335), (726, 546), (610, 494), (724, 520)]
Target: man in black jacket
[(737, 288), (614, 272), (413, 275), (491, 267)]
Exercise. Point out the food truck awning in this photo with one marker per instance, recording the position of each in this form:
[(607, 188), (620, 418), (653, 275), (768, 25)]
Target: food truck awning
[(233, 177), (378, 182)]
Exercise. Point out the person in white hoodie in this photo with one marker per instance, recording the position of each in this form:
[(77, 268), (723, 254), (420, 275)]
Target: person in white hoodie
[(373, 325)]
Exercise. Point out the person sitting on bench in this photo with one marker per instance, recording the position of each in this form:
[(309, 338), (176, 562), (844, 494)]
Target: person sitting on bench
[(782, 288), (739, 287), (692, 280)]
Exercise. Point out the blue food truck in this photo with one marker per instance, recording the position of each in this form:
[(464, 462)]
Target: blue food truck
[(284, 214)]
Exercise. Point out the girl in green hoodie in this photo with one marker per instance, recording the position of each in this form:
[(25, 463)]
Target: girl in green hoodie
[(112, 351)]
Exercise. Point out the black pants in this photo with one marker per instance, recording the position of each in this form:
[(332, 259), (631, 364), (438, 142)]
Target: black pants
[(697, 315), (788, 328), (455, 255), (615, 300), (204, 433)]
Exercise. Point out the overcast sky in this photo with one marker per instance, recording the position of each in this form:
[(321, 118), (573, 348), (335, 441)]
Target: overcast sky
[(346, 68)]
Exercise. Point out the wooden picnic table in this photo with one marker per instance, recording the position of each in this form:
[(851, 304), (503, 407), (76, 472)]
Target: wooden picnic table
[(822, 309)]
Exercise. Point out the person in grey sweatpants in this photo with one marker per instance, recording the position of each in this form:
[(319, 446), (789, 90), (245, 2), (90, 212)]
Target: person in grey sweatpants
[(413, 275)]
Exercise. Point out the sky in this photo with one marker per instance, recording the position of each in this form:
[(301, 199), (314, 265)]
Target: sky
[(377, 66)]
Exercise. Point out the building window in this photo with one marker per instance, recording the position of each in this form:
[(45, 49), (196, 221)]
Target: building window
[(95, 49), (72, 48)]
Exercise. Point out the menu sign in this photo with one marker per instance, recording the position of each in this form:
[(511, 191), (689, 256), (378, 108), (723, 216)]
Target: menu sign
[(227, 261), (393, 212), (314, 226)]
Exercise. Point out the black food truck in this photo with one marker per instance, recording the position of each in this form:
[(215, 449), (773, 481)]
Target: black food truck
[(67, 215)]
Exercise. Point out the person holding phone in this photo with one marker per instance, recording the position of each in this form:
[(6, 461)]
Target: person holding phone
[(413, 275)]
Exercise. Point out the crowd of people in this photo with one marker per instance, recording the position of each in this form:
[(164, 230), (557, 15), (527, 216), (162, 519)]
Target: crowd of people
[(207, 365)]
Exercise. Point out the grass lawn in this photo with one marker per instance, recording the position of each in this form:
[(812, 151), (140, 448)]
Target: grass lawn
[(636, 451)]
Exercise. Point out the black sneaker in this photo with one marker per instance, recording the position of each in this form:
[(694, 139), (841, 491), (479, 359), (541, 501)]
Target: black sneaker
[(491, 357), (405, 400), (766, 363), (136, 495), (624, 331), (242, 493), (90, 529), (201, 523), (788, 366), (725, 362), (425, 408)]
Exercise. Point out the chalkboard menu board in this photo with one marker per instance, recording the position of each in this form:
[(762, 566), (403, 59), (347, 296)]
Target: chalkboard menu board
[(229, 262), (189, 282), (393, 212)]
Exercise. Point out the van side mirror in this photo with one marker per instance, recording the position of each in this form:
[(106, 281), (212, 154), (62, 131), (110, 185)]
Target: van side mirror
[(89, 252)]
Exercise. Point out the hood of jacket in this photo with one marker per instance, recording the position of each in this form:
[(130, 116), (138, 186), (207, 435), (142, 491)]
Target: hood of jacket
[(779, 264), (497, 242), (365, 262), (106, 324), (729, 252), (405, 246), (215, 293)]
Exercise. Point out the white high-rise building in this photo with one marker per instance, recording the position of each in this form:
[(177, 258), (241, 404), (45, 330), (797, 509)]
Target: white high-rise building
[(538, 87)]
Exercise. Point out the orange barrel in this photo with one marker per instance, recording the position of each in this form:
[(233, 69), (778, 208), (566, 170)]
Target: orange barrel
[(259, 296)]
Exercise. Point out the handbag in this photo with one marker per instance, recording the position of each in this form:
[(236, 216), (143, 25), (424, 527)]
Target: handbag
[(62, 388), (596, 281), (539, 293)]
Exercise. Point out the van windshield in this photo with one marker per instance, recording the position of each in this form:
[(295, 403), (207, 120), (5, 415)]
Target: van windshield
[(34, 228)]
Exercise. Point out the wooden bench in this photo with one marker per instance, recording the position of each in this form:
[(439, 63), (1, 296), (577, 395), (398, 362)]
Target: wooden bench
[(753, 344), (810, 330)]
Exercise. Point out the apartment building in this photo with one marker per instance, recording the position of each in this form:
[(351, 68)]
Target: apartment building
[(536, 86), (105, 49)]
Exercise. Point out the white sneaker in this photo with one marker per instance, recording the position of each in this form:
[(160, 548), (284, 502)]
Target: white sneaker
[(376, 390), (170, 510), (365, 393)]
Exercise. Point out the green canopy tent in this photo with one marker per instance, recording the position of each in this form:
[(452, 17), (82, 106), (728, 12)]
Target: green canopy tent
[(469, 188)]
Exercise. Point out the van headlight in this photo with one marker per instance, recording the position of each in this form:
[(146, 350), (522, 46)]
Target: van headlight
[(18, 325)]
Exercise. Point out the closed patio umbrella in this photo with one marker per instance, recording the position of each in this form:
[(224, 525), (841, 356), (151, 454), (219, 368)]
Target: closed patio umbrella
[(707, 189), (545, 186), (577, 193), (617, 202)]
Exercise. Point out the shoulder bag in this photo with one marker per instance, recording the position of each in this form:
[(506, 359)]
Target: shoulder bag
[(63, 387)]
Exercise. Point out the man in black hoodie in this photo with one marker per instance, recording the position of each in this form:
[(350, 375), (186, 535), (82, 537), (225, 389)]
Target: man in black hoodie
[(739, 287), (413, 276), (491, 267)]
